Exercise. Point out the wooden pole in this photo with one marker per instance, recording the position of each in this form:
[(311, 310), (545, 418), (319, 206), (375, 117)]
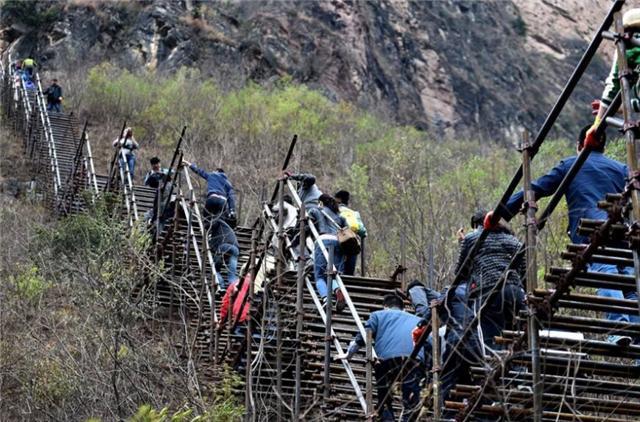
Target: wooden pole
[(250, 415), (532, 275), (630, 129)]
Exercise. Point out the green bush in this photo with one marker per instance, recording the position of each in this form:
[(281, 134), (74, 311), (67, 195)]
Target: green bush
[(29, 284)]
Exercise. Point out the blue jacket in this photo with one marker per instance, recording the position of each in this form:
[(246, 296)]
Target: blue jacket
[(218, 183), (598, 176), (391, 329)]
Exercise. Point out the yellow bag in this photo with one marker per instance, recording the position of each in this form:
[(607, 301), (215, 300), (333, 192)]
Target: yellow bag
[(352, 219)]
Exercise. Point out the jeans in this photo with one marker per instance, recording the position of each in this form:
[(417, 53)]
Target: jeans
[(500, 313), (131, 162), (421, 298), (214, 206), (456, 365), (386, 372), (616, 294), (350, 262), (57, 107), (320, 264), (226, 257), (460, 314)]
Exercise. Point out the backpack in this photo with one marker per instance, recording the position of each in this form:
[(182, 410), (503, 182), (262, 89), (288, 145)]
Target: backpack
[(347, 239), (353, 219)]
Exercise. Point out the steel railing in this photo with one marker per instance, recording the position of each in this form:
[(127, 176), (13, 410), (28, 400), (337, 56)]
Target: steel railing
[(192, 211)]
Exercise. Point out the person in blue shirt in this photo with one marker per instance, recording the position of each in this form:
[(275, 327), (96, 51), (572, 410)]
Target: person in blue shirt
[(598, 176), (391, 329), (220, 193)]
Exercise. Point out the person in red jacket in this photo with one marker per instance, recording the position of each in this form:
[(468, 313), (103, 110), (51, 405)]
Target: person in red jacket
[(238, 310)]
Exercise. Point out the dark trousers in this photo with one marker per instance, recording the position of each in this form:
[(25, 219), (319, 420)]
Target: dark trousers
[(500, 314), (386, 372), (214, 206), (350, 262)]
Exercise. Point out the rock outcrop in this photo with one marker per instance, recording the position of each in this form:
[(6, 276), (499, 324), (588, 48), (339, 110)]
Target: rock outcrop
[(454, 68)]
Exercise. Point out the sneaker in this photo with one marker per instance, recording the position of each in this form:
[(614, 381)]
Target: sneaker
[(622, 341), (340, 303)]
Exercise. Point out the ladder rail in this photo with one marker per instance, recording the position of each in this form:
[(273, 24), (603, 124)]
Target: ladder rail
[(44, 115), (90, 168), (318, 305), (194, 209), (315, 235)]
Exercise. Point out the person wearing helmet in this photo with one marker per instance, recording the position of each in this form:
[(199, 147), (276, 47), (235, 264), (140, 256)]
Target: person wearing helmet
[(631, 23)]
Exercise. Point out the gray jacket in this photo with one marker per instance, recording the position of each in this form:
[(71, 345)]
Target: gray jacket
[(307, 189)]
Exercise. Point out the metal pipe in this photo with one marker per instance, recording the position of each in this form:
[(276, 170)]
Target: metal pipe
[(302, 218), (437, 365), (280, 285), (615, 122), (327, 331), (369, 377), (630, 131), (363, 271), (403, 261), (532, 282)]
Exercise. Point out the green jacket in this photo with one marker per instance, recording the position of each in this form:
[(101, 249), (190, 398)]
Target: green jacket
[(612, 84)]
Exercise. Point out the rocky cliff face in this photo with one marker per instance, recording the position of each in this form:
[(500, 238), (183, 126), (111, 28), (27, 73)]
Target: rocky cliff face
[(453, 68)]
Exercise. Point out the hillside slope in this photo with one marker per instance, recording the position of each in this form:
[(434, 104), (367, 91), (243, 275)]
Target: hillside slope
[(454, 68)]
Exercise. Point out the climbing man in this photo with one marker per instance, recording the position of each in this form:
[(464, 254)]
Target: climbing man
[(156, 175), (391, 329), (221, 197), (354, 222), (463, 347), (128, 145), (156, 178), (54, 97), (28, 65), (598, 176)]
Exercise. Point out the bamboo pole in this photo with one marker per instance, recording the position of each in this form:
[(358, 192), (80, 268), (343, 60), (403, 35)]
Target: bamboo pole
[(532, 276)]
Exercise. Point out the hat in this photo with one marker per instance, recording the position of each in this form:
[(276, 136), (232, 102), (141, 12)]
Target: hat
[(631, 19)]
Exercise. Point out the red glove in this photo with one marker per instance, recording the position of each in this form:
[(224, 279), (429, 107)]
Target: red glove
[(590, 140), (417, 333), (487, 224)]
